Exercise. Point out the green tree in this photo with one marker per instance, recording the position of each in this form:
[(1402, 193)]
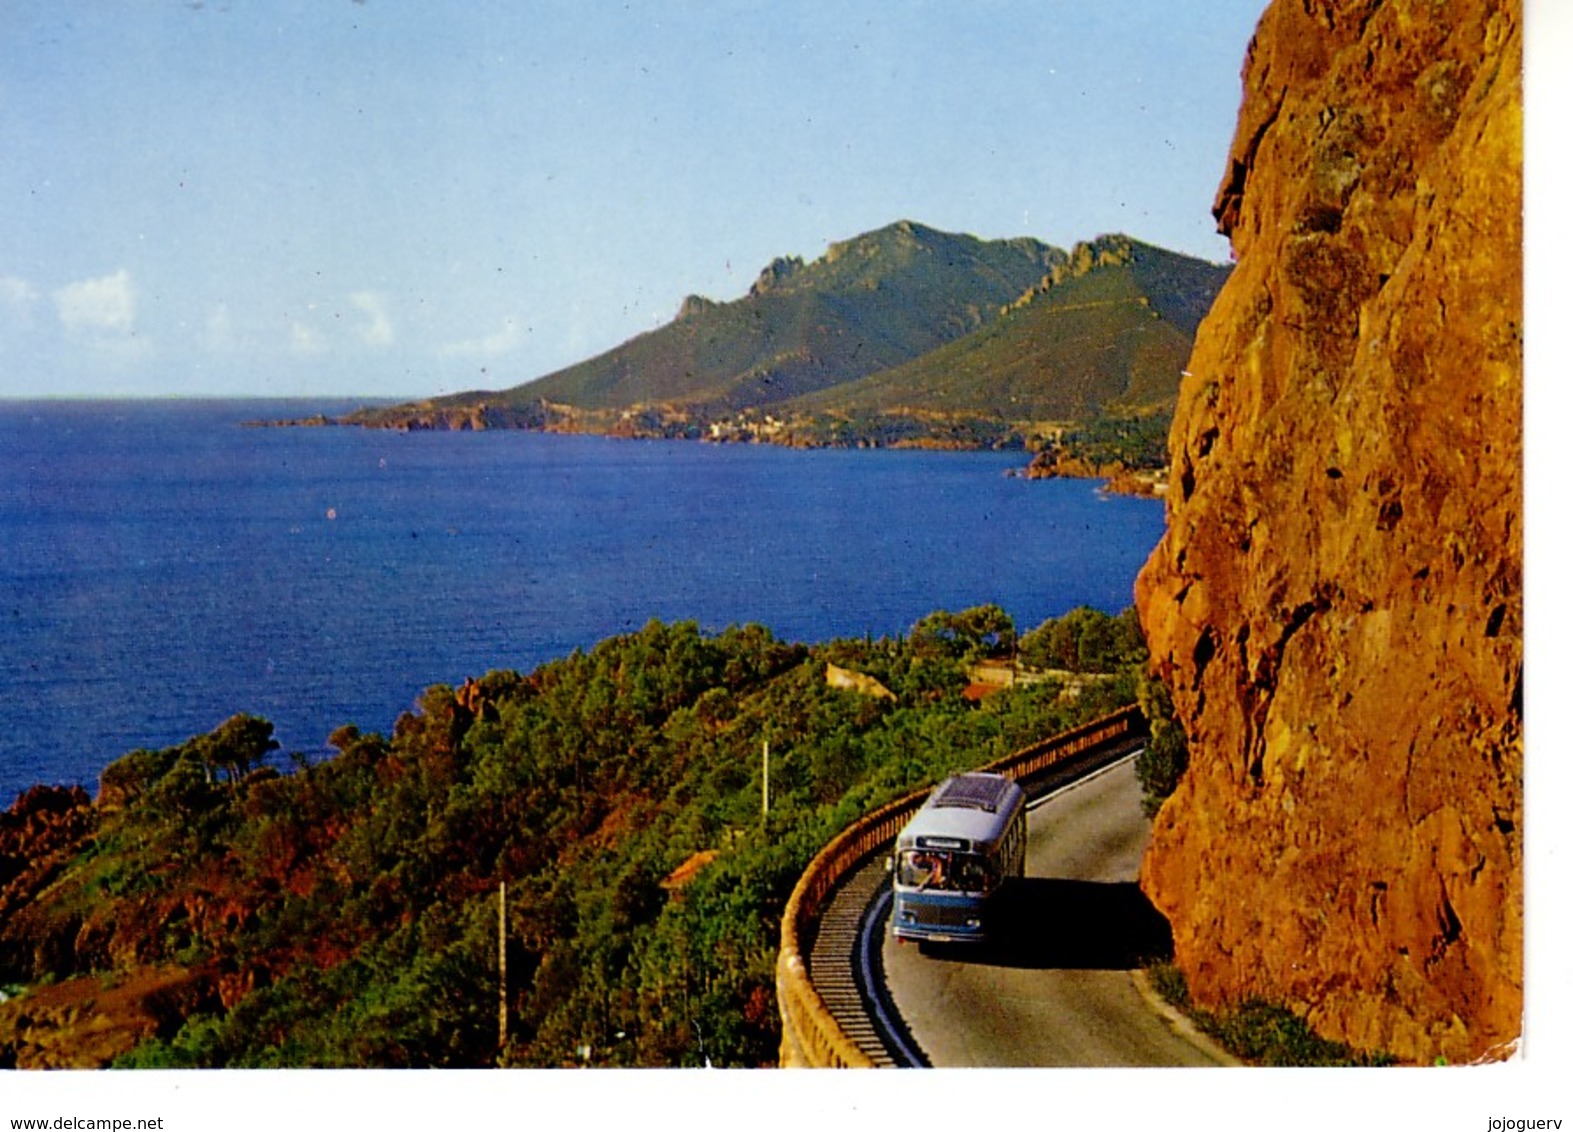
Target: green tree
[(1085, 640), (132, 775), (981, 631), (237, 746)]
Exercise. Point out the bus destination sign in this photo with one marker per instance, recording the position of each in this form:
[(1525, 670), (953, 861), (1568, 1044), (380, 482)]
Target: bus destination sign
[(944, 843)]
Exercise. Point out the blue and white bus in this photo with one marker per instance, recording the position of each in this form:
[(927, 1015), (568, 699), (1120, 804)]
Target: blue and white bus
[(951, 860)]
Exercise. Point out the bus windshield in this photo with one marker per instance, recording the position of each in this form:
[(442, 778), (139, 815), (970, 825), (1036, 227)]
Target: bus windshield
[(934, 871)]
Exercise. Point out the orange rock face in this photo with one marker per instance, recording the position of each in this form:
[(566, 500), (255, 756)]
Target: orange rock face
[(1336, 606)]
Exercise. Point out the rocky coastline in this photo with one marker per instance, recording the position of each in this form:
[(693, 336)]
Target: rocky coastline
[(1053, 458)]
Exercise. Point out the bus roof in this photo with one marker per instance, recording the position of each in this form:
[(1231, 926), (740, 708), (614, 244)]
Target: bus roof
[(974, 792), (973, 807)]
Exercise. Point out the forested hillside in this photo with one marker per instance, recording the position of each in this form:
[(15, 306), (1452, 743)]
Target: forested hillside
[(207, 910)]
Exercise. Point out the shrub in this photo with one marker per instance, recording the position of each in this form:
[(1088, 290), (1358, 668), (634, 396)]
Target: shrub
[(1261, 1032), (1166, 756)]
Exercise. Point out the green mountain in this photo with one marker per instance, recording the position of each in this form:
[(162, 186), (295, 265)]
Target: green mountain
[(869, 303), (902, 336), (1107, 333)]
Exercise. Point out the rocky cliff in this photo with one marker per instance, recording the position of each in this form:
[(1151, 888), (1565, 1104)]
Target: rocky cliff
[(1336, 606)]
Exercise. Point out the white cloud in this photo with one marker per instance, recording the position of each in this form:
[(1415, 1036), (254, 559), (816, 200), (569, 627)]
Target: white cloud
[(106, 305), (487, 346), (377, 330)]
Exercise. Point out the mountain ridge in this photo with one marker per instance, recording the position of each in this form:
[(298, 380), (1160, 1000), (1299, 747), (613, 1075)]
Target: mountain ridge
[(877, 303), (1037, 360), (804, 325)]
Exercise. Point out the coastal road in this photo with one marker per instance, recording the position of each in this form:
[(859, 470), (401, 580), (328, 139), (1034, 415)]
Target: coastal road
[(1060, 990)]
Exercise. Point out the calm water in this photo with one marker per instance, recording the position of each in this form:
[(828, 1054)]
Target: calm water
[(162, 568)]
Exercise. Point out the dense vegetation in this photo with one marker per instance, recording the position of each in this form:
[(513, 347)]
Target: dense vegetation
[(346, 913), (1139, 442)]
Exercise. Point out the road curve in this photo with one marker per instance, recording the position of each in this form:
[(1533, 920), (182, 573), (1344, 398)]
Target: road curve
[(1061, 992)]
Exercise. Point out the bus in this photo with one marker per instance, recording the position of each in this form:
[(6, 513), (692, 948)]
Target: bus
[(952, 859)]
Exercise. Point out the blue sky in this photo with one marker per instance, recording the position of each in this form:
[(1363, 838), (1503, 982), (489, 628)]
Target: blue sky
[(401, 198)]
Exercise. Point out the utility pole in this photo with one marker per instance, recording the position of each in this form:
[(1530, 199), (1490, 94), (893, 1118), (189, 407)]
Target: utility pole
[(502, 967), (766, 811)]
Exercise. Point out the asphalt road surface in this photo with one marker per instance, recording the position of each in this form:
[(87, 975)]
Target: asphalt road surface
[(1058, 989)]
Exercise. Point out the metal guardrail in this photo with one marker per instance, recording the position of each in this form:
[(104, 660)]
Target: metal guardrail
[(810, 1036)]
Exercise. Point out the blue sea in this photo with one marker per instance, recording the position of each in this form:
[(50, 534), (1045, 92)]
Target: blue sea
[(163, 567)]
